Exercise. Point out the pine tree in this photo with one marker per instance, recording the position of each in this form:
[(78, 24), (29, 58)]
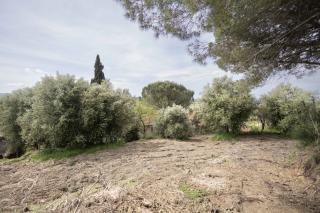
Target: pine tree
[(98, 74)]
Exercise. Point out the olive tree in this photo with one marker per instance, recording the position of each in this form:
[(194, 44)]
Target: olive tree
[(107, 113), (227, 104), (13, 106), (293, 111), (54, 119)]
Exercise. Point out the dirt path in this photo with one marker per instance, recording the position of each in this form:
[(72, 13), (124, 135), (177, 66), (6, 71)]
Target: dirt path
[(253, 174)]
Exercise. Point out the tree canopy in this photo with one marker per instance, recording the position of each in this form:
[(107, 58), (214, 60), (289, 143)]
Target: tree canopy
[(227, 104), (11, 107), (54, 119), (98, 74), (107, 113), (166, 93), (145, 112), (256, 37)]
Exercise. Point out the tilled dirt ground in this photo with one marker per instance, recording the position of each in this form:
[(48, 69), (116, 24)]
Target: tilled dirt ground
[(254, 174)]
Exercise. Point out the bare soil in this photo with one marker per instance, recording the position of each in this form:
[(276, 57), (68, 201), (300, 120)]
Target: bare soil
[(253, 174)]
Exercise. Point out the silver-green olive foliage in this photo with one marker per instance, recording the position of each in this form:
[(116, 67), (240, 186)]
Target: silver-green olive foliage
[(173, 122), (66, 112), (292, 111), (54, 119), (12, 106), (254, 37), (227, 104), (107, 114)]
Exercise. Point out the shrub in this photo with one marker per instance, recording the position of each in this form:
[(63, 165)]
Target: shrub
[(54, 119), (107, 114), (12, 107), (196, 117), (294, 112), (306, 127), (222, 136), (227, 105), (173, 123), (284, 104)]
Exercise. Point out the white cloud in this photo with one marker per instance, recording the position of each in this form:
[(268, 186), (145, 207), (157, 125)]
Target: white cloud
[(16, 84), (35, 71)]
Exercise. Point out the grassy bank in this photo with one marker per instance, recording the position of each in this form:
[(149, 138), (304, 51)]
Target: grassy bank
[(58, 154), (223, 136)]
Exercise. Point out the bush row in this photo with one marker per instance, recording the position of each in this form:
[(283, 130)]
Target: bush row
[(64, 112), (226, 106)]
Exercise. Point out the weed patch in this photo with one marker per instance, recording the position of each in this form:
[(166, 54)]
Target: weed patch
[(221, 136), (58, 154), (192, 192)]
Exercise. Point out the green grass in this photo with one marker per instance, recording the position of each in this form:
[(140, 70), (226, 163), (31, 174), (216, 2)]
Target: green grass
[(131, 183), (222, 136), (26, 156), (58, 154), (255, 128), (149, 136), (192, 192)]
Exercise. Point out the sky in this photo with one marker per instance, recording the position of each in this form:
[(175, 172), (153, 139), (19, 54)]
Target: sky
[(42, 37)]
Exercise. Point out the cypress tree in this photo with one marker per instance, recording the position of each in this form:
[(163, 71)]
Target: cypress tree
[(98, 74)]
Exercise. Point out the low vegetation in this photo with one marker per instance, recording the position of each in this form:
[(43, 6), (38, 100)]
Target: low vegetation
[(223, 136), (173, 123), (58, 154), (192, 192)]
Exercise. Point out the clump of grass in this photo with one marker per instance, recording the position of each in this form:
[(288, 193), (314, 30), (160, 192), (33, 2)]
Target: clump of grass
[(14, 160), (192, 192), (131, 183), (58, 154), (149, 136), (36, 207), (292, 157), (222, 136)]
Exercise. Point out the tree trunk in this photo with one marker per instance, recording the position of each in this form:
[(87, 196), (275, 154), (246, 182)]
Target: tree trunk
[(143, 126), (262, 125)]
